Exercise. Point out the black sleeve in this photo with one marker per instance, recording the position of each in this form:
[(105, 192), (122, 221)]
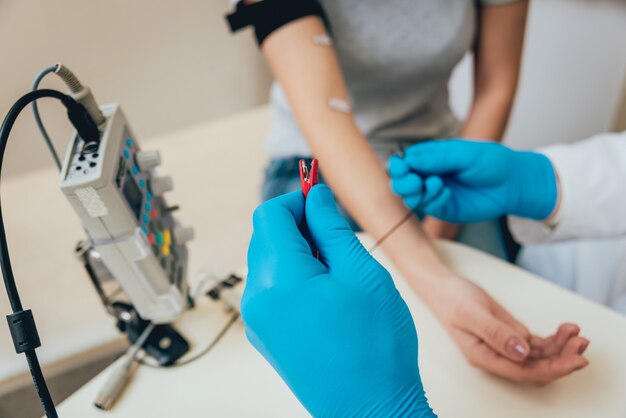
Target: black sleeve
[(268, 15)]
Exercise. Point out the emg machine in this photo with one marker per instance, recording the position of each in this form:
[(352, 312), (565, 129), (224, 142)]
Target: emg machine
[(135, 252), (120, 201)]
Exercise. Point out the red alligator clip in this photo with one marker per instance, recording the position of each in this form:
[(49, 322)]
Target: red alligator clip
[(308, 178)]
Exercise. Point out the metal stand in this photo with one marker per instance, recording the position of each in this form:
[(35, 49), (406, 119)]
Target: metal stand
[(165, 344)]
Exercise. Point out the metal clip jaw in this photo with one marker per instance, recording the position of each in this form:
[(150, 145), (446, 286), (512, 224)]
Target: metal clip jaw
[(308, 178)]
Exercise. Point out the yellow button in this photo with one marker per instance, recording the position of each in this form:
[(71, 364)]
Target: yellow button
[(167, 237), (165, 250)]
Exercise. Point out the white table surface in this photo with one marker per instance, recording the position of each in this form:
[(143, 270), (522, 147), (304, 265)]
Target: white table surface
[(235, 381), (217, 172)]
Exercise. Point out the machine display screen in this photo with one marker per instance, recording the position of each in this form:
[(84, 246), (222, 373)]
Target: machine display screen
[(132, 194)]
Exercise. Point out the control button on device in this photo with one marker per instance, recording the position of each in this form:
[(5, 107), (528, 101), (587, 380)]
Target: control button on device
[(147, 207), (146, 219), (126, 154), (159, 238), (149, 196), (167, 237), (154, 214), (142, 183), (129, 142), (144, 229), (151, 239), (183, 234), (135, 170), (160, 185), (165, 250), (147, 160)]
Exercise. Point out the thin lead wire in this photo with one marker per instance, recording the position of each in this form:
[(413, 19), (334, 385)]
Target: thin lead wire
[(399, 153), (393, 229), (38, 120), (231, 321)]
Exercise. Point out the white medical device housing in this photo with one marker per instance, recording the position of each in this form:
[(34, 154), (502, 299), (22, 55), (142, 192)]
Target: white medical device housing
[(119, 199)]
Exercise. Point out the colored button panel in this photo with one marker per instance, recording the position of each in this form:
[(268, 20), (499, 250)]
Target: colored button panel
[(146, 219), (149, 196), (151, 239), (126, 154), (135, 170), (147, 207), (142, 183), (165, 250), (129, 142), (159, 238), (167, 237), (154, 214)]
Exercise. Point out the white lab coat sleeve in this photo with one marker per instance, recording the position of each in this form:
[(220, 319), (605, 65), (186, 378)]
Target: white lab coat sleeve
[(592, 176)]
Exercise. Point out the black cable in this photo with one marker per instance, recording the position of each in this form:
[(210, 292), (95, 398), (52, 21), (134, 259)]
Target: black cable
[(5, 130), (38, 120), (40, 384), (21, 323)]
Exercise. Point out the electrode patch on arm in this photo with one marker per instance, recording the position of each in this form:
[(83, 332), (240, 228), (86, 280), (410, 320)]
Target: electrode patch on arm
[(323, 40), (268, 15), (340, 105)]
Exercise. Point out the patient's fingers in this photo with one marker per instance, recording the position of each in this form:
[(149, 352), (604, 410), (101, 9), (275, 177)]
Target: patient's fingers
[(536, 372), (553, 345), (510, 319), (575, 346)]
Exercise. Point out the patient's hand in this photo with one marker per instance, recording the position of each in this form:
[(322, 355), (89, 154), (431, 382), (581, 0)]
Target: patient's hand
[(493, 340)]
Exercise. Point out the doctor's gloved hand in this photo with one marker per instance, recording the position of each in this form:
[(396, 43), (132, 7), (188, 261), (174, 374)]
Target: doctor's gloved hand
[(337, 331), (464, 181)]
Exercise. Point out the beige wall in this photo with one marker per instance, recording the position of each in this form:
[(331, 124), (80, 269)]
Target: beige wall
[(169, 63), (620, 119), (573, 73)]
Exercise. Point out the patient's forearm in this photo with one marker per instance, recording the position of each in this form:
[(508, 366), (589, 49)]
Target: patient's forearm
[(310, 75)]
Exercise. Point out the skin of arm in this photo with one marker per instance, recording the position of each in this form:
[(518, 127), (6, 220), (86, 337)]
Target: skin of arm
[(497, 61), (310, 75), (489, 337)]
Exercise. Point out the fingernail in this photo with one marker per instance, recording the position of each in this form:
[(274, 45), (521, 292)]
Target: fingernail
[(583, 347), (515, 348)]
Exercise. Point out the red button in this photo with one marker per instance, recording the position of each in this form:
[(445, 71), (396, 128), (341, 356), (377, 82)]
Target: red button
[(151, 239), (154, 214)]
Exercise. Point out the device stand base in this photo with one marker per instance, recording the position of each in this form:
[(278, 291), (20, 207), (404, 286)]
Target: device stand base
[(164, 344)]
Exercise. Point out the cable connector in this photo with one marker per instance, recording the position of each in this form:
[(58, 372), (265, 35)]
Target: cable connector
[(83, 122), (82, 94), (23, 331)]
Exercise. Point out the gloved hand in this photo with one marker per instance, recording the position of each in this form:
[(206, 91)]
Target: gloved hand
[(337, 331), (472, 181)]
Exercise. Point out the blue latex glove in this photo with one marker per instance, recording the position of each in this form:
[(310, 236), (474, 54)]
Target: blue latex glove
[(463, 181), (337, 331)]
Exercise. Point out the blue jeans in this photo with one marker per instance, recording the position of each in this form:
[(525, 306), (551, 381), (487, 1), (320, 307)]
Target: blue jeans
[(283, 176)]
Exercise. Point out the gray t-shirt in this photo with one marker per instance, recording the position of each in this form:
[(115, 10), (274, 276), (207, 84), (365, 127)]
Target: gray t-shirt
[(397, 57)]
